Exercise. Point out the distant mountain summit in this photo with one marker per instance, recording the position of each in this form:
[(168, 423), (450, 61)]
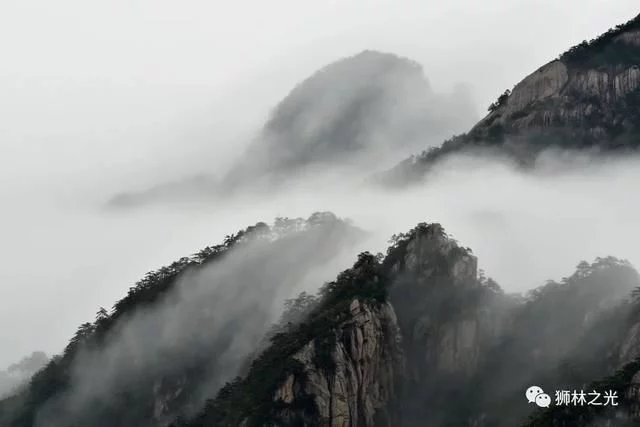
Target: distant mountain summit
[(415, 336), (367, 104), (587, 98), (370, 110)]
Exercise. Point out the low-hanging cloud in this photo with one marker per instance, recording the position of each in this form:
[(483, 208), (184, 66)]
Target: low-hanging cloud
[(212, 319), (131, 108), (525, 227)]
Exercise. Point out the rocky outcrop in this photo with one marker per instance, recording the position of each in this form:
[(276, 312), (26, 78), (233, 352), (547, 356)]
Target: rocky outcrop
[(632, 395), (584, 88), (438, 296), (388, 335), (630, 348), (165, 394), (592, 100), (385, 369), (362, 385), (587, 98), (630, 37), (545, 83)]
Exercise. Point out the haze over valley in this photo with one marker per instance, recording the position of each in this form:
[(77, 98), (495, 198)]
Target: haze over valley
[(255, 166)]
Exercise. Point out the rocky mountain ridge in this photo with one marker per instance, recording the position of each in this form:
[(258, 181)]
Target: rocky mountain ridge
[(454, 351), (588, 98), (180, 332), (417, 336), (412, 337)]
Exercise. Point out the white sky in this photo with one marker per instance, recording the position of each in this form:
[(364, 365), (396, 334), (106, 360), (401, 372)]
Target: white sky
[(98, 95)]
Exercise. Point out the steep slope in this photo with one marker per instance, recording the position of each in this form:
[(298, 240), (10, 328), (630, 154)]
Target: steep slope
[(414, 337), (380, 332), (418, 338), (336, 366), (180, 332), (563, 336), (587, 98)]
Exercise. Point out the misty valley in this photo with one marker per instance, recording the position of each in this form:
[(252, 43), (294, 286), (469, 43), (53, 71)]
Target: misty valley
[(344, 299)]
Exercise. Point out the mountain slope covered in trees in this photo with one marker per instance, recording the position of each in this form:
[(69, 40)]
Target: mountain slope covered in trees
[(181, 331), (417, 335)]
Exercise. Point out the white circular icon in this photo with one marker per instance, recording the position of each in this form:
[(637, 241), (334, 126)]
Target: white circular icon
[(532, 392), (543, 400)]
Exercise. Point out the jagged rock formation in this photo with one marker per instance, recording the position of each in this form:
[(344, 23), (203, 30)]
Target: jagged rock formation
[(414, 337), (353, 361), (411, 338), (437, 346), (447, 317), (587, 98), (367, 360)]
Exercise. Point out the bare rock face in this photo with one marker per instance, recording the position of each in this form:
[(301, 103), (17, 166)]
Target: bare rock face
[(164, 395), (630, 348), (544, 83), (587, 98), (630, 351), (553, 97), (587, 94), (362, 384), (633, 395), (382, 366), (436, 293), (630, 37), (446, 319)]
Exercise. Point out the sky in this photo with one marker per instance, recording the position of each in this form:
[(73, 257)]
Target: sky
[(100, 96)]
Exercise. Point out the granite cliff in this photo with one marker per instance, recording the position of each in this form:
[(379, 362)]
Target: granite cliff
[(418, 337), (588, 98), (377, 347)]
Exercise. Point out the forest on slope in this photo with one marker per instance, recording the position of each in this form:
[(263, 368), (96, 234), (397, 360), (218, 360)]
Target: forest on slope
[(425, 288), (415, 335), (189, 324)]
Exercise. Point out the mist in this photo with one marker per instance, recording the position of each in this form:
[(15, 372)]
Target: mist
[(87, 110), (524, 228), (210, 321)]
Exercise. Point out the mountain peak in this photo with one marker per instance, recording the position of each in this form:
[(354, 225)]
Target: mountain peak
[(371, 108), (589, 97)]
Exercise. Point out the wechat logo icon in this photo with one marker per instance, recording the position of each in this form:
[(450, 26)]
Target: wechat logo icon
[(536, 395)]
